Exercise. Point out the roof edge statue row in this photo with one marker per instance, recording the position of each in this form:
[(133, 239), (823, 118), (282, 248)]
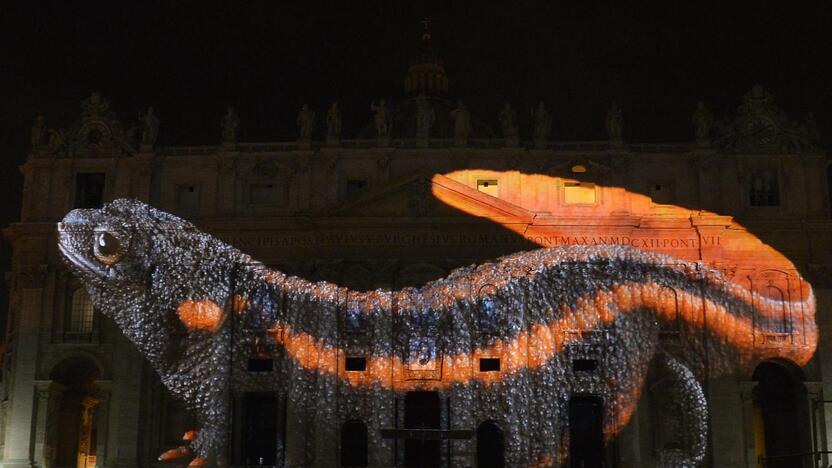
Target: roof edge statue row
[(431, 120)]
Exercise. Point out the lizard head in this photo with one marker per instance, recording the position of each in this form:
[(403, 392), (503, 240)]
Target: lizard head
[(140, 265)]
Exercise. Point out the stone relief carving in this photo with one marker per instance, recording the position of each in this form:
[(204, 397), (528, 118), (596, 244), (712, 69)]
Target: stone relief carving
[(420, 199), (96, 133), (759, 126)]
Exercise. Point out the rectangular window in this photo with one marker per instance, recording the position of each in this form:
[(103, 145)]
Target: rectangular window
[(579, 193), (660, 193), (89, 190), (764, 190), (489, 364), (260, 364), (584, 365), (355, 186), (488, 187), (187, 197), (355, 364)]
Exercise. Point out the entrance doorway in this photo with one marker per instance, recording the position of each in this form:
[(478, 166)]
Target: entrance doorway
[(586, 431), (74, 430), (780, 420), (260, 429), (421, 411), (490, 449)]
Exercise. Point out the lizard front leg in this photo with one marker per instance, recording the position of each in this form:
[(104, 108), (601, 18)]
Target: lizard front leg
[(201, 448), (695, 408)]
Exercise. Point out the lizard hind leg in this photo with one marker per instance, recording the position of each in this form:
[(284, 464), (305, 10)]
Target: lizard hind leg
[(694, 417)]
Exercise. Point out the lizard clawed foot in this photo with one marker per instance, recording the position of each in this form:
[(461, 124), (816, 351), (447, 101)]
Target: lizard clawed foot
[(183, 452)]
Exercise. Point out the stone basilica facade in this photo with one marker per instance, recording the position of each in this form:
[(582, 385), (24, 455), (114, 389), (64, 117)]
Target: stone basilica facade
[(365, 213)]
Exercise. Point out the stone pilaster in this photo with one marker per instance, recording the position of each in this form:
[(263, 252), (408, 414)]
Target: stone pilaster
[(749, 443), (629, 442), (19, 446), (123, 429), (49, 394), (102, 417), (726, 423)]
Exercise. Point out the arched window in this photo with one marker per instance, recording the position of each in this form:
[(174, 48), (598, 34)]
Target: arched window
[(490, 446), (781, 415), (354, 443), (782, 322), (81, 313)]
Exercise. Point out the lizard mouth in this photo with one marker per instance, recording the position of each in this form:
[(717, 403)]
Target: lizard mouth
[(82, 264)]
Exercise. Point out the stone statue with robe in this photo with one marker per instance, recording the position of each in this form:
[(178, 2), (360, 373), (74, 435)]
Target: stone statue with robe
[(542, 122), (230, 125), (333, 122), (461, 118), (508, 121), (702, 121), (382, 119), (615, 123), (150, 128), (305, 123)]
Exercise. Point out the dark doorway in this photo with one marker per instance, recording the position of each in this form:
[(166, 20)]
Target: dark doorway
[(260, 429), (421, 411), (586, 432), (490, 449), (73, 430), (354, 444), (779, 420)]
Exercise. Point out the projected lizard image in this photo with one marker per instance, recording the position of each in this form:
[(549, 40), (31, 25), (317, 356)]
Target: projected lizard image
[(525, 336)]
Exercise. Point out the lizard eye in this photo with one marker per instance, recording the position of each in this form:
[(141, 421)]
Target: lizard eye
[(107, 248)]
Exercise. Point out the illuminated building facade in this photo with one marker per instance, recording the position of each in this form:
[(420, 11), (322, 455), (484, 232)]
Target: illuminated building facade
[(427, 188)]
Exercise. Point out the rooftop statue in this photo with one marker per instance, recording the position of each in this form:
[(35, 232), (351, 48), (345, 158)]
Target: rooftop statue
[(230, 124), (40, 133), (614, 123), (382, 118), (306, 123), (461, 117), (150, 128), (702, 121), (199, 309), (508, 121), (333, 122), (542, 122), (425, 116)]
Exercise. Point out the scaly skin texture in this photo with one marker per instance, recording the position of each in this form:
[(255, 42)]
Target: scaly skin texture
[(198, 309)]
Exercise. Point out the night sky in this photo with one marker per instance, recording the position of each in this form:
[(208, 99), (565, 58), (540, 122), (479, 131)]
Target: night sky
[(190, 59)]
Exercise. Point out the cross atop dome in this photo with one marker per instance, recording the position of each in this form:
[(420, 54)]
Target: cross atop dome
[(426, 73), (426, 31)]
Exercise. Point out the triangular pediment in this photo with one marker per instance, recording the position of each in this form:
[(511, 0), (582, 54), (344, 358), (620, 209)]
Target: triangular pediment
[(421, 195)]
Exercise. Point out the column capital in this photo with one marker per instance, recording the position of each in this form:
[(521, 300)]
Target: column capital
[(49, 386), (32, 276)]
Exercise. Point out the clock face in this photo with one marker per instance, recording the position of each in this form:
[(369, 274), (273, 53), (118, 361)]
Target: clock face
[(759, 132)]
